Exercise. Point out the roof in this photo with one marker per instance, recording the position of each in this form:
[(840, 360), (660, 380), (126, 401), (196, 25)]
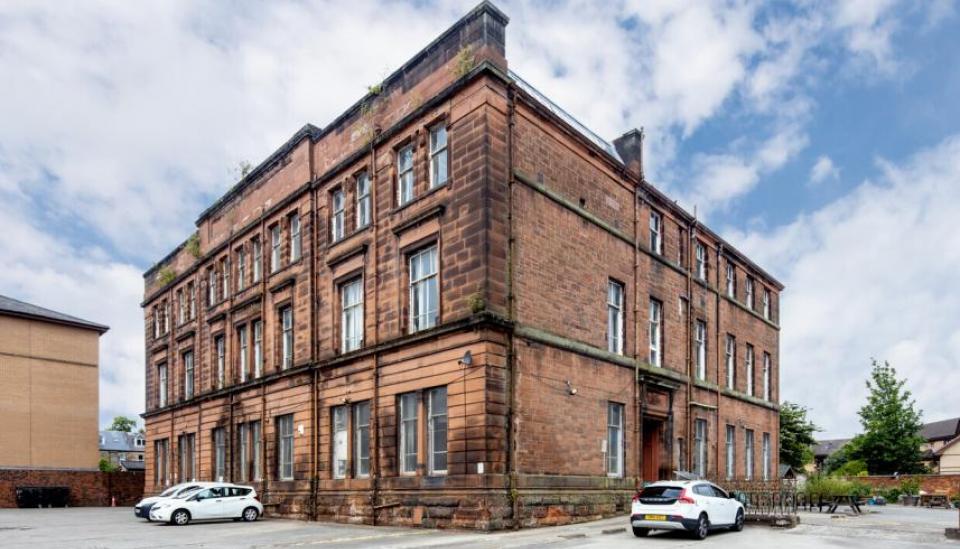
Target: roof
[(120, 441), (824, 448), (785, 470), (944, 429), (133, 465), (15, 307), (950, 444)]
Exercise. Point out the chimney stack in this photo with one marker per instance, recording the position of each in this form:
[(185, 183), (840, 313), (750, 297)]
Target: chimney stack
[(630, 148)]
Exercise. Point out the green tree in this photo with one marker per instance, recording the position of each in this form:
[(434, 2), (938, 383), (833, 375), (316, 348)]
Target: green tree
[(796, 435), (891, 439), (122, 423), (107, 467)]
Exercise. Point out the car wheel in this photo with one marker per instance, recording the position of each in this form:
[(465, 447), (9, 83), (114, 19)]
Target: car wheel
[(250, 514), (738, 523), (640, 532), (180, 517), (703, 527)]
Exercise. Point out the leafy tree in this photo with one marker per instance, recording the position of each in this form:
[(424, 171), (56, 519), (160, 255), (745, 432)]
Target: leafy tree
[(838, 459), (122, 423), (107, 467), (796, 435), (891, 438)]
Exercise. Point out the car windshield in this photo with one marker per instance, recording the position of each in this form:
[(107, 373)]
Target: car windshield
[(661, 492), (188, 492), (169, 492)]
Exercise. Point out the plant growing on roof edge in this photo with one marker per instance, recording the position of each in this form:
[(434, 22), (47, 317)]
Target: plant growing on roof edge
[(375, 89), (193, 245), (465, 62), (166, 275), (476, 303)]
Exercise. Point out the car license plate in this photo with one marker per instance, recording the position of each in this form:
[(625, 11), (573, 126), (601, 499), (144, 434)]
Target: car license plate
[(655, 517)]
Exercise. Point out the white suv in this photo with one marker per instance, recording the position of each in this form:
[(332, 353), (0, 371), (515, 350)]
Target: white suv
[(696, 506), (220, 501)]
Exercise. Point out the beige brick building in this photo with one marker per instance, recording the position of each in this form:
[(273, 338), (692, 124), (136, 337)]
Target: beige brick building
[(455, 305), (49, 390)]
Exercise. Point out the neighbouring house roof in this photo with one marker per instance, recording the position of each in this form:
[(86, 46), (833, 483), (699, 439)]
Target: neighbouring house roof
[(944, 429), (824, 448), (133, 465), (950, 444), (119, 441), (15, 307), (787, 472)]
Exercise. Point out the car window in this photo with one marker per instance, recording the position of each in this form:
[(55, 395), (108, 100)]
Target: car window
[(237, 492), (187, 493), (703, 490), (718, 492), (661, 492)]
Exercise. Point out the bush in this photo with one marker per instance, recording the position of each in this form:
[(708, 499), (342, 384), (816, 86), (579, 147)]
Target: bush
[(910, 486), (108, 467), (891, 495), (852, 468)]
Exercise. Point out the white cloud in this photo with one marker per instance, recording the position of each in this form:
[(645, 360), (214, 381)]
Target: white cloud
[(823, 169), (871, 275)]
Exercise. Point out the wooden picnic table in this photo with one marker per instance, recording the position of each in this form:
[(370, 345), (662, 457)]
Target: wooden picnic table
[(934, 500)]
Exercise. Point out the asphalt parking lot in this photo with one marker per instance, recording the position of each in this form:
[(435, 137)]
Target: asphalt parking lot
[(891, 527)]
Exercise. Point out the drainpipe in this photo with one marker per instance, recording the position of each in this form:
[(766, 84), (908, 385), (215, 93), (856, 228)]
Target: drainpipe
[(688, 428), (719, 355), (638, 425), (375, 472), (264, 470), (312, 292), (512, 427)]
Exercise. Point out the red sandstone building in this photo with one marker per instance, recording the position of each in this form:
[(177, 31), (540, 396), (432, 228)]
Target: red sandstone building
[(456, 306)]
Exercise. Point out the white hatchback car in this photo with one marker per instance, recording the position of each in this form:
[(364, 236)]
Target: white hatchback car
[(220, 501), (696, 506), (142, 509)]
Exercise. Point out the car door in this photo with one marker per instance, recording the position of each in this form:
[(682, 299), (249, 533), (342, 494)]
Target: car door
[(726, 507), (207, 504), (239, 500), (705, 499)]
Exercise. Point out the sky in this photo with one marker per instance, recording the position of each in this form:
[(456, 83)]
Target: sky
[(821, 138)]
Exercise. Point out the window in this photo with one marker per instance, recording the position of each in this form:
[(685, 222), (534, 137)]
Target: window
[(166, 316), (162, 384), (701, 349), (405, 175), (211, 286), (656, 232), (424, 291), (257, 259), (614, 440), (731, 280), (243, 443), (351, 316), (681, 247), (731, 361), (766, 376), (219, 454), (701, 264), (336, 218), (340, 442), (275, 248), (242, 339), (192, 296), (255, 435), (363, 200), (225, 270), (748, 454), (700, 448), (765, 448), (656, 332), (156, 322), (220, 349), (285, 447), (257, 348), (437, 431), (750, 300), (181, 307), (731, 441), (188, 375), (186, 449), (161, 462), (749, 364), (241, 269), (766, 304), (438, 155), (615, 317), (408, 433), (286, 346), (361, 440), (681, 454), (296, 243)]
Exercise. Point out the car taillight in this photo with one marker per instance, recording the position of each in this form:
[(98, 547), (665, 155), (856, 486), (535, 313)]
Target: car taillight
[(256, 497), (685, 498), (636, 498)]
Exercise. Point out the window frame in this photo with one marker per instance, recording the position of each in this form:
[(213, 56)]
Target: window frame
[(700, 434), (220, 354), (296, 237), (286, 337), (340, 425), (616, 329), (257, 348), (162, 392), (241, 268), (219, 454), (361, 451), (408, 425), (767, 365), (406, 180), (750, 296), (338, 214), (276, 247), (700, 258), (257, 258), (351, 316), (364, 212), (424, 279), (749, 366), (285, 447), (730, 354), (731, 280), (765, 453), (656, 232), (615, 448), (748, 444), (433, 468), (436, 153), (731, 451), (243, 350), (700, 349), (766, 303), (189, 379), (655, 332)]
